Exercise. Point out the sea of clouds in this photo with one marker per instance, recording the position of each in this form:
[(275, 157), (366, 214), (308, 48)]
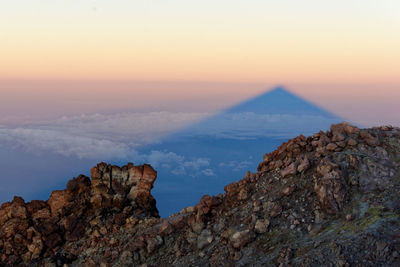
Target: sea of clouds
[(119, 135)]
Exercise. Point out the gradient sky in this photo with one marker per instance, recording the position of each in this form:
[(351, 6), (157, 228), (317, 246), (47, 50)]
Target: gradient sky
[(70, 57)]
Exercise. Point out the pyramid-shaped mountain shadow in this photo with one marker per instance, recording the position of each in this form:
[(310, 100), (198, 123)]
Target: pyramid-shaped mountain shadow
[(279, 101), (276, 113), (206, 156)]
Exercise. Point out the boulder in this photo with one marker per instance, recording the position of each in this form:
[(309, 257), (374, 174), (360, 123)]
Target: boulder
[(241, 238)]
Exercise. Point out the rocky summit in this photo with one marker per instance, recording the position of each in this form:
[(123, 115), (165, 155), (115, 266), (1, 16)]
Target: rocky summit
[(331, 199)]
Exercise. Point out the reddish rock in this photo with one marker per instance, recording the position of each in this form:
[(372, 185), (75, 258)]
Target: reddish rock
[(166, 228), (99, 223), (338, 137), (205, 205), (243, 194), (39, 228), (350, 129), (41, 214), (289, 170), (343, 128), (368, 138), (351, 142), (304, 165), (78, 185), (144, 183), (53, 240), (35, 205), (58, 200), (231, 189), (18, 209), (329, 185), (331, 147)]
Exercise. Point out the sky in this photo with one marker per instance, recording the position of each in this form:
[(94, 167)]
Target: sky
[(72, 57)]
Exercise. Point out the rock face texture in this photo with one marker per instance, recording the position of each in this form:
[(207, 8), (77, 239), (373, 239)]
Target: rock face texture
[(331, 199), (32, 232)]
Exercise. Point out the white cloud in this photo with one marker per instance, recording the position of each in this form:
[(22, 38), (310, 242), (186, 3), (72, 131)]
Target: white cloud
[(103, 136), (41, 141), (243, 165), (197, 163), (118, 136), (134, 128), (237, 165), (208, 172), (178, 164), (157, 158)]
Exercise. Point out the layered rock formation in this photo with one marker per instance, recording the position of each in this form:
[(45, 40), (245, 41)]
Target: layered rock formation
[(30, 232), (331, 199)]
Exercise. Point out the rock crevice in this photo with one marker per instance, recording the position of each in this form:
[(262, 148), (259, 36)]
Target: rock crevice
[(30, 231)]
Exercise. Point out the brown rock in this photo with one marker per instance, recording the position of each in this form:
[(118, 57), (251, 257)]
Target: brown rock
[(189, 209), (153, 243), (47, 226), (35, 247), (166, 228), (338, 137), (58, 200), (3, 215), (196, 225), (288, 190), (278, 164), (53, 240), (343, 128), (304, 165), (141, 192), (368, 138), (204, 239), (14, 226), (289, 170), (351, 142), (272, 208), (350, 129), (41, 214), (331, 147), (240, 239), (261, 226), (178, 222), (231, 189), (329, 185), (243, 194)]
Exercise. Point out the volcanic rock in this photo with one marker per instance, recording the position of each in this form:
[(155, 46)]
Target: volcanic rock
[(325, 200)]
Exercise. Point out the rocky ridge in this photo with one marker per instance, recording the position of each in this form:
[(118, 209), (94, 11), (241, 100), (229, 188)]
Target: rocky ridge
[(331, 199), (31, 232)]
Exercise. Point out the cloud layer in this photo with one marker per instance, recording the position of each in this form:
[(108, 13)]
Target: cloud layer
[(106, 136), (117, 136)]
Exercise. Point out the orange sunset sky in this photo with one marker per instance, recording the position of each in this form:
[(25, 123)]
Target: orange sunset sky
[(70, 57)]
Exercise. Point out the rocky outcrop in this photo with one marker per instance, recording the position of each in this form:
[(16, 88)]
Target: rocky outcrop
[(32, 231), (330, 199)]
